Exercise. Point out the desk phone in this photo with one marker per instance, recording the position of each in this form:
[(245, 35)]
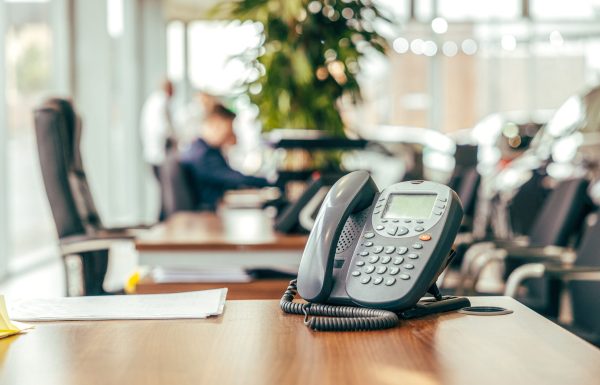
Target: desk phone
[(382, 251)]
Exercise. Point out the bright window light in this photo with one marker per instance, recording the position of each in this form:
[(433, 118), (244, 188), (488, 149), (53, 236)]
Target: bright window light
[(115, 18)]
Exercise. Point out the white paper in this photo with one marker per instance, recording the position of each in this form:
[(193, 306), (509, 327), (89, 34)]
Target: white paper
[(196, 304)]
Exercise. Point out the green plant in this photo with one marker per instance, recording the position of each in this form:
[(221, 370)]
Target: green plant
[(309, 59)]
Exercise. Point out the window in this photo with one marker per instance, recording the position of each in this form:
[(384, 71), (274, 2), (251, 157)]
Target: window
[(28, 62)]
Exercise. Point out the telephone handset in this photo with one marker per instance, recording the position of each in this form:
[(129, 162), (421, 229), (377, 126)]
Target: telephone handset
[(377, 252)]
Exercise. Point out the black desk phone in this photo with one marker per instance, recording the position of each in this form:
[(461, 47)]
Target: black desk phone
[(374, 252)]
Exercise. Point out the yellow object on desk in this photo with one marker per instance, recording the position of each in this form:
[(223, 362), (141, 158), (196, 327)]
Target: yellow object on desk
[(7, 327)]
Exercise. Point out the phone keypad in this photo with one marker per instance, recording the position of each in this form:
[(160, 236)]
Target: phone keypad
[(379, 263), (374, 259)]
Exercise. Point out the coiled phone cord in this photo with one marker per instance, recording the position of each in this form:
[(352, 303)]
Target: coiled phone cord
[(340, 318)]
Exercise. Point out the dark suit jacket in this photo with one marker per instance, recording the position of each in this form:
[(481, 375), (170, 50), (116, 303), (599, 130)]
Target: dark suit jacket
[(212, 175)]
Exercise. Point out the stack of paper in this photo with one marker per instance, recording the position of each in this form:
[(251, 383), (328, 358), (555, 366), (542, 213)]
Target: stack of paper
[(7, 327), (196, 304), (225, 274)]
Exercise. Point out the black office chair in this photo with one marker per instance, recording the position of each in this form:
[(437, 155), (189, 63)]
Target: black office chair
[(581, 275), (557, 223), (177, 187), (78, 225)]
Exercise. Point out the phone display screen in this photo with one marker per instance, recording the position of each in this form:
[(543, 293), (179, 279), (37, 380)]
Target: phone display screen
[(417, 206)]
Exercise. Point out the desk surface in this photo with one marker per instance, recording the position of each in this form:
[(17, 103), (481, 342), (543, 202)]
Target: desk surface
[(230, 229), (254, 343)]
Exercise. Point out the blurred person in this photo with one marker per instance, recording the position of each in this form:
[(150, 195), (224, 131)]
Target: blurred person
[(190, 116), (156, 128), (206, 164)]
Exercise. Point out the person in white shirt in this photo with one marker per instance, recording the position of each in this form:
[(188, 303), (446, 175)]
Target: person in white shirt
[(156, 128)]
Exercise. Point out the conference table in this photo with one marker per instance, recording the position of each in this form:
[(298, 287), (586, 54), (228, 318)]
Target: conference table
[(253, 342), (229, 238)]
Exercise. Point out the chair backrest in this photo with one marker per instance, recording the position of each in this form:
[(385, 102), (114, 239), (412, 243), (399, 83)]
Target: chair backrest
[(527, 203), (561, 214), (585, 300), (53, 143), (466, 188), (176, 189), (80, 189)]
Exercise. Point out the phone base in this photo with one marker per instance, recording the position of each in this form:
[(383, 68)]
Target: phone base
[(430, 306)]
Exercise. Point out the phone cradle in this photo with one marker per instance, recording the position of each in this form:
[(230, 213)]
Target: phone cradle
[(435, 305)]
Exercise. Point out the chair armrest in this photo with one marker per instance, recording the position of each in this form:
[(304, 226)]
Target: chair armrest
[(539, 270), (522, 255), (516, 242), (85, 243), (125, 231), (520, 274), (573, 273)]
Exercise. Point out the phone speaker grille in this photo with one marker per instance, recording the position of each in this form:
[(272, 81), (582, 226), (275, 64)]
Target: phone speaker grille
[(351, 230)]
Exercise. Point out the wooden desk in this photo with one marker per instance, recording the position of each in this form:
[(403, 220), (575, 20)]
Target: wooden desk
[(254, 343), (231, 238)]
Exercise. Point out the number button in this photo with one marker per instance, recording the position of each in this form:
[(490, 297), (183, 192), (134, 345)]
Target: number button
[(386, 259), (398, 261), (409, 266), (369, 235), (364, 253), (369, 269), (381, 270), (403, 276), (394, 271), (377, 280), (390, 249), (360, 263), (417, 246), (413, 256), (390, 281), (356, 273), (365, 280), (402, 250), (368, 244), (378, 249), (374, 259)]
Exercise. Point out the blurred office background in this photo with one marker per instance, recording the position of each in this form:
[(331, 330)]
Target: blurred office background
[(451, 63)]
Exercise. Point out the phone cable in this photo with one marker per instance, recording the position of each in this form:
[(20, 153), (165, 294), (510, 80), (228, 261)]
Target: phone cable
[(336, 318)]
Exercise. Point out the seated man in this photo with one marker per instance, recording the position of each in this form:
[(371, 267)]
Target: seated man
[(205, 163)]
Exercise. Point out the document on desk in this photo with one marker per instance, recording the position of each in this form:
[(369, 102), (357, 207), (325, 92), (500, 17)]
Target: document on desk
[(196, 304)]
